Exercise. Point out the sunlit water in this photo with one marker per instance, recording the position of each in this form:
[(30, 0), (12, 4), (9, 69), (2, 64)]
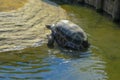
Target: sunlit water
[(26, 26), (100, 62)]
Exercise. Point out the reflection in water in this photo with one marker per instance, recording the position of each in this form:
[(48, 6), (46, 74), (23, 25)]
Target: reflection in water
[(51, 64)]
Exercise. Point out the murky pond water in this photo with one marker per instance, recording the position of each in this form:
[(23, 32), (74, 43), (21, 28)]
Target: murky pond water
[(103, 35), (101, 62)]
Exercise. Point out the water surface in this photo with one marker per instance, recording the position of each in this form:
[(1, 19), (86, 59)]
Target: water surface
[(42, 63), (103, 35), (100, 62)]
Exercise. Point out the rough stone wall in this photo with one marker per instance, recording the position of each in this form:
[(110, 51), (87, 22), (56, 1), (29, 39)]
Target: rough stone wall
[(90, 2), (108, 6), (116, 11), (111, 7)]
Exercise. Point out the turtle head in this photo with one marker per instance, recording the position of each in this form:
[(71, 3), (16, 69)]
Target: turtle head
[(49, 26)]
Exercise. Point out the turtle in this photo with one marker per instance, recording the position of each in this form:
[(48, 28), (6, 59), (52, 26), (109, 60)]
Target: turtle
[(67, 35)]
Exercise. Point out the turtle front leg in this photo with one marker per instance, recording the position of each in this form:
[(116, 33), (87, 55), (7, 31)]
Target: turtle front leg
[(50, 43)]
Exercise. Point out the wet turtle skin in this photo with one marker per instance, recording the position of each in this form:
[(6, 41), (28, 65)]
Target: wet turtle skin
[(68, 35)]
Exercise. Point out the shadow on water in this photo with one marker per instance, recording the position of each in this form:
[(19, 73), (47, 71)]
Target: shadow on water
[(71, 53), (75, 54)]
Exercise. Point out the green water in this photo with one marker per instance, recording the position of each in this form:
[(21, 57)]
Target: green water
[(101, 62), (103, 34)]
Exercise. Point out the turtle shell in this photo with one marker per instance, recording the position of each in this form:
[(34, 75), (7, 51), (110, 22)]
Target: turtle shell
[(71, 31)]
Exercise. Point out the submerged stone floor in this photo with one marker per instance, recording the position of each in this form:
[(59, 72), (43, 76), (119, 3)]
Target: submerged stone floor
[(25, 27)]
